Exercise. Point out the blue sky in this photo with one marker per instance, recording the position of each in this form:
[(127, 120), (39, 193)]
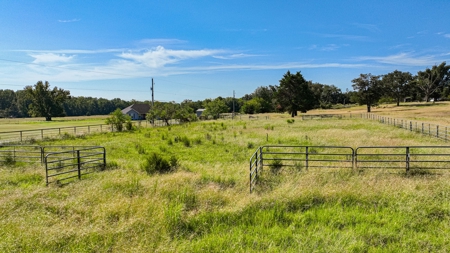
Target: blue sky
[(205, 49)]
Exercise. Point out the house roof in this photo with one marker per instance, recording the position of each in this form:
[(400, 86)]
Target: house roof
[(139, 108)]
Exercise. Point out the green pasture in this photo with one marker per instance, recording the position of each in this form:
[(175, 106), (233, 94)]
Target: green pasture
[(21, 124), (204, 205)]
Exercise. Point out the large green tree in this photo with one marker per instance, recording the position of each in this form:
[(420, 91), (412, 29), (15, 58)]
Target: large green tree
[(215, 107), (294, 94), (368, 90), (433, 80), (397, 84), (46, 102)]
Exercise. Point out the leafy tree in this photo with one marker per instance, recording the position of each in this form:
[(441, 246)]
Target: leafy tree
[(433, 80), (163, 111), (185, 114), (294, 94), (46, 102), (368, 90), (117, 119), (215, 107), (266, 97), (252, 106), (397, 84)]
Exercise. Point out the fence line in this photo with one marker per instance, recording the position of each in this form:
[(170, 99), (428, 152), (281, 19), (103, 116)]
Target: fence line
[(432, 130), (370, 157)]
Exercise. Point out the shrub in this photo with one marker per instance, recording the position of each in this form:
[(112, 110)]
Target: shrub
[(290, 121), (185, 140), (275, 166), (156, 163), (9, 159), (250, 145), (129, 125)]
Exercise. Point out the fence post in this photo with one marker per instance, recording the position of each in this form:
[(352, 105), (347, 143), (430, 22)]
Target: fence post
[(75, 131), (410, 126), (306, 159), (407, 159), (42, 134), (20, 136), (422, 128), (46, 171), (261, 157), (437, 131), (445, 133), (429, 129), (79, 164)]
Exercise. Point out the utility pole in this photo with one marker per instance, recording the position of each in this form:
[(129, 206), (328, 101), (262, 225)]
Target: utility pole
[(153, 100), (232, 115), (153, 97)]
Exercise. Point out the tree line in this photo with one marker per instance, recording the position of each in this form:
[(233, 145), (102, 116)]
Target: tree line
[(293, 94)]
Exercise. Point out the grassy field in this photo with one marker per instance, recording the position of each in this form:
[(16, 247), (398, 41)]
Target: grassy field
[(204, 204), (19, 124)]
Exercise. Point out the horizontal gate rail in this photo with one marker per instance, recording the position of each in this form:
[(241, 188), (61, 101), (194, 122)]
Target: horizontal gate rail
[(309, 156), (65, 165), (20, 153), (403, 157)]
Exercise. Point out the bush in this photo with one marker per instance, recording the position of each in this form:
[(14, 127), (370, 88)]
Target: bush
[(156, 163), (275, 166), (290, 121), (185, 140)]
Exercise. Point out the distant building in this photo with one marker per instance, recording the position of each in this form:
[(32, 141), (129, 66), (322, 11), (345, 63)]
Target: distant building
[(137, 111), (199, 112)]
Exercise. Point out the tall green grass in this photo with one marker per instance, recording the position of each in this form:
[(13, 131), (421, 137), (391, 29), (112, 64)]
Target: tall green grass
[(203, 205)]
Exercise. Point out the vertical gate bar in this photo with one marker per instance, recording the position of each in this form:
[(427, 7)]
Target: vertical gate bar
[(46, 171), (104, 158), (79, 164), (262, 159), (446, 134), (306, 158), (407, 159)]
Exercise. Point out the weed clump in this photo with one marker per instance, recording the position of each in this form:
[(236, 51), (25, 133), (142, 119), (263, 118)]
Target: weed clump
[(8, 160), (275, 166), (290, 121), (156, 163), (185, 140)]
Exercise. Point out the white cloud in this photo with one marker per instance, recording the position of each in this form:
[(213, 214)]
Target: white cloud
[(51, 58), (401, 59), (234, 56), (159, 56)]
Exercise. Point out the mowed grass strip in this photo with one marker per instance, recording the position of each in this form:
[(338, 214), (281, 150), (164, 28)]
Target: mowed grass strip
[(204, 204)]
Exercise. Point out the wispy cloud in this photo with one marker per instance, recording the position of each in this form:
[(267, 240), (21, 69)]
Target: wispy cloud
[(51, 58), (69, 20), (329, 47), (234, 56), (159, 56), (406, 59)]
